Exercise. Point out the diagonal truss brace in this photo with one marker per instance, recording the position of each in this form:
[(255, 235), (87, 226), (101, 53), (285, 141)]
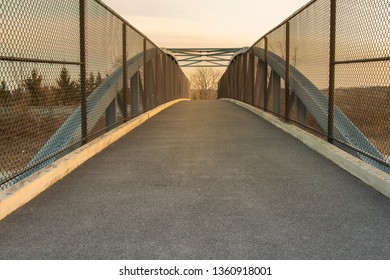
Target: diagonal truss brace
[(204, 57)]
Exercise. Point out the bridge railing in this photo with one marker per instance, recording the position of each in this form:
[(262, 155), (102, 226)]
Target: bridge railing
[(69, 72), (325, 69)]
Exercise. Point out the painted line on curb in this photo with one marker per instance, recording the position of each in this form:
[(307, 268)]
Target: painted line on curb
[(25, 190), (370, 175)]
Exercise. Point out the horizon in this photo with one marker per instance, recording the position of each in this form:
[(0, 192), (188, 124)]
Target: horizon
[(170, 25)]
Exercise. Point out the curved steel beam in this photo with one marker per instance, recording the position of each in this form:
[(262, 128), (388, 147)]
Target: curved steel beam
[(70, 131), (317, 104)]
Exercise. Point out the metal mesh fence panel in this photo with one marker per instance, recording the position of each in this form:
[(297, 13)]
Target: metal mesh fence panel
[(246, 79), (161, 97), (41, 86), (277, 52), (38, 74), (241, 74), (150, 75), (135, 58), (309, 55), (362, 84), (338, 57), (362, 29), (104, 57), (260, 67), (249, 79), (233, 76), (268, 98), (256, 82), (34, 29)]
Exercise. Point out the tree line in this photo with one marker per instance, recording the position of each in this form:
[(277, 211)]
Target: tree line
[(32, 91), (204, 83)]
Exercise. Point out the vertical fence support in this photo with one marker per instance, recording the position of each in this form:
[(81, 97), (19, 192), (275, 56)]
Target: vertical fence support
[(275, 85), (332, 56), (134, 89), (157, 79), (172, 77), (253, 79), (260, 80), (231, 79), (235, 75), (145, 93), (287, 78), (239, 62), (238, 77), (149, 81), (228, 83), (83, 74), (111, 116), (301, 112), (164, 78), (265, 72), (125, 78), (245, 77), (168, 79)]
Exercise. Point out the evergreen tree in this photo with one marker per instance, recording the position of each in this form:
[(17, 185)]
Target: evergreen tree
[(5, 94), (90, 83), (67, 87), (99, 79), (33, 86)]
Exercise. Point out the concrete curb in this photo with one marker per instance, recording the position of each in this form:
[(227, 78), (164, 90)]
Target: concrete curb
[(376, 178), (25, 190)]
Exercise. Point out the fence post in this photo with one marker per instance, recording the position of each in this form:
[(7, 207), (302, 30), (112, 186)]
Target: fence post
[(83, 73), (287, 78), (172, 78), (301, 112), (265, 72), (134, 89), (275, 89), (145, 93), (157, 83), (125, 78), (111, 116), (164, 78), (253, 78), (245, 78), (231, 79), (239, 77), (332, 55)]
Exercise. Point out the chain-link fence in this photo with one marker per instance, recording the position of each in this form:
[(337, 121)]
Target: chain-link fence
[(326, 69), (69, 72)]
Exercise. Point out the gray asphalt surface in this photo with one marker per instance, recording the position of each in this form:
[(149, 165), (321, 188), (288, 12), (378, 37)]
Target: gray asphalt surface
[(203, 180)]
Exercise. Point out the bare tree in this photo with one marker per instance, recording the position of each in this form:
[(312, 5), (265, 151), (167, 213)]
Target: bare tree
[(281, 48), (204, 82)]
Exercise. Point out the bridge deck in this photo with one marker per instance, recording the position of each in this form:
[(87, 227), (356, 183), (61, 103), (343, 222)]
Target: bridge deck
[(203, 180)]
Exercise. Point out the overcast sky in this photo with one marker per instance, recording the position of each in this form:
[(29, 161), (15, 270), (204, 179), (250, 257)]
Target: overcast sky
[(211, 23)]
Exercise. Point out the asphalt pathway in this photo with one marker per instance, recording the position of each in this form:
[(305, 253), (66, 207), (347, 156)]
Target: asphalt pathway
[(203, 180)]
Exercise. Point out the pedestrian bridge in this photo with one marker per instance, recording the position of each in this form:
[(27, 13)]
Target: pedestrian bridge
[(203, 180), (292, 161)]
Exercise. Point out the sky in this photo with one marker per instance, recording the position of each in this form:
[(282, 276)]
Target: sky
[(211, 23)]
